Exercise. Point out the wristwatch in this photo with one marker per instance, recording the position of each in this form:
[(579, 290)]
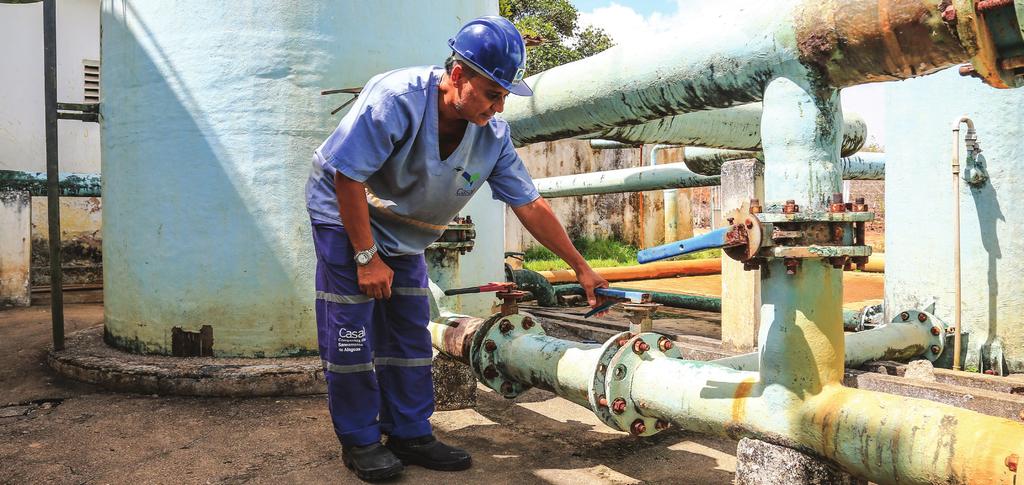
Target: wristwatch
[(363, 257)]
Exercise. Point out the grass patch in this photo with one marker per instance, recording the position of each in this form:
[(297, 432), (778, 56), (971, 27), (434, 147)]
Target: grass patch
[(599, 253)]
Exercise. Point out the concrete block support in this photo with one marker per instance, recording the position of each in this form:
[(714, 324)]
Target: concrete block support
[(454, 384), (760, 463), (15, 247), (742, 180)]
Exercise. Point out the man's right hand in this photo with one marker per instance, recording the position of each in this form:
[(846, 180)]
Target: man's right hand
[(375, 278)]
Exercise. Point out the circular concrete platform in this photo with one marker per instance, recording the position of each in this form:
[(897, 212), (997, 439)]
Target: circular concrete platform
[(87, 358)]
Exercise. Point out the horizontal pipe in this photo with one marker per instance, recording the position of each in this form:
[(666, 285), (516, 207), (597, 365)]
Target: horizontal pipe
[(637, 179), (898, 341), (727, 55), (674, 300), (708, 161), (69, 184), (612, 145), (665, 269), (862, 166), (879, 437), (736, 128)]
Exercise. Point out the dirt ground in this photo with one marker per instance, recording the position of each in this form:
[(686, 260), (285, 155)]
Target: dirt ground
[(57, 431)]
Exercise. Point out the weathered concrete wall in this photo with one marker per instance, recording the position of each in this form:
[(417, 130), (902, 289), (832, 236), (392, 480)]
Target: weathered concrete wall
[(919, 204), (81, 219), (15, 247)]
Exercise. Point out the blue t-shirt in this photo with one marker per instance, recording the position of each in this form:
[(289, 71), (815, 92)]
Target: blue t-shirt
[(388, 141)]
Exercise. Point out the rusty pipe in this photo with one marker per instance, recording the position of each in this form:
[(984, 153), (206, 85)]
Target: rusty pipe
[(729, 55)]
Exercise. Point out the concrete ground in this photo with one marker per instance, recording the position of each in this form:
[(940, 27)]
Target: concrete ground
[(57, 431)]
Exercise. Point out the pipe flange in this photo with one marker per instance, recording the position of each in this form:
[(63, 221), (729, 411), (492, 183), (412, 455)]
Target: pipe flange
[(974, 32), (624, 412), (498, 331), (597, 394), (933, 325)]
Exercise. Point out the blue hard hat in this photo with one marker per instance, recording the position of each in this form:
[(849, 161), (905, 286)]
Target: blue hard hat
[(493, 46)]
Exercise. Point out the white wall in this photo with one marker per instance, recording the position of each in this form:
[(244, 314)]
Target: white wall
[(22, 134)]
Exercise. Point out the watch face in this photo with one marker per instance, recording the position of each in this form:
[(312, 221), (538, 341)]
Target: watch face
[(362, 258)]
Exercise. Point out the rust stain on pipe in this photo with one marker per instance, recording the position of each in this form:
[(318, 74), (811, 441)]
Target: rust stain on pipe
[(852, 42), (739, 403)]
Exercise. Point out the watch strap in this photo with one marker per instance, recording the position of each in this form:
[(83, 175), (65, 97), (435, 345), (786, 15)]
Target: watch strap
[(366, 254)]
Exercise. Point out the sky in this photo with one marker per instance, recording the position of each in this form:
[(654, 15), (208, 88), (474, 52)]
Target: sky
[(628, 21)]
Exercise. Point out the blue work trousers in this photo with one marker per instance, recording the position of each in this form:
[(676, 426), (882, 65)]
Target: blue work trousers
[(376, 353)]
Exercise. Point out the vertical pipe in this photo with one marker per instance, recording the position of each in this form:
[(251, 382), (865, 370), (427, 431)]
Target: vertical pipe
[(956, 237), (801, 336), (52, 168)]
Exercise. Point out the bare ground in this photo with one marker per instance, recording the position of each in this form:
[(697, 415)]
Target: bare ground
[(57, 431)]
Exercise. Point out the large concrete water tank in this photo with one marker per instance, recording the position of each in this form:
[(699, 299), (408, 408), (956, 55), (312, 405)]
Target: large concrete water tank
[(211, 111), (919, 205)]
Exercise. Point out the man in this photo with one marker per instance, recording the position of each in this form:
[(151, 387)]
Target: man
[(401, 164)]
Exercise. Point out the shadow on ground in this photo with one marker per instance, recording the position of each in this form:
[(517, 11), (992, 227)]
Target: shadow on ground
[(58, 431)]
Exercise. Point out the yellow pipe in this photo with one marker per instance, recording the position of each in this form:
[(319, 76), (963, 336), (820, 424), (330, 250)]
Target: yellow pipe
[(666, 269)]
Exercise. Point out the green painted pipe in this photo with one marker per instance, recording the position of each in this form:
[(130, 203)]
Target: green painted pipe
[(736, 128), (697, 67), (539, 286), (675, 300), (896, 341), (70, 184), (636, 179), (708, 161)]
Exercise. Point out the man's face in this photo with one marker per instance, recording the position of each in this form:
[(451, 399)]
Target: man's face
[(479, 98)]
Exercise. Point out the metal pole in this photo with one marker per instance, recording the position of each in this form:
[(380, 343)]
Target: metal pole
[(52, 168)]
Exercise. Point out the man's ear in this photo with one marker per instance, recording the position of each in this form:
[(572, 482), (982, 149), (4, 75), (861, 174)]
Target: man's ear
[(457, 74)]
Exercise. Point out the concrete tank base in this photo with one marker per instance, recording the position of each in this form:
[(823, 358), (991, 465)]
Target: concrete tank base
[(88, 358)]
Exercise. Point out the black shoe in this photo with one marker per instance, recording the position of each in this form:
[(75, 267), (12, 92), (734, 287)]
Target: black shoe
[(372, 462), (427, 452)]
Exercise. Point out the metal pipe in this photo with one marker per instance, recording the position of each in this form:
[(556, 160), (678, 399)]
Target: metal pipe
[(736, 128), (956, 234), (730, 53), (708, 161), (611, 145), (674, 300), (636, 179), (879, 437), (52, 169), (899, 341)]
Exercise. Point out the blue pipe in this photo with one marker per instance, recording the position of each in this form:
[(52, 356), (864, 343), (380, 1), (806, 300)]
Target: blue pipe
[(713, 239)]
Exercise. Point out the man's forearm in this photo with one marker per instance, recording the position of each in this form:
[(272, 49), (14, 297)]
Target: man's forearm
[(353, 210), (539, 219)]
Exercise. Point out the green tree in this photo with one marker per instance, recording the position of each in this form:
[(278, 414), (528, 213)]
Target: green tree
[(552, 32)]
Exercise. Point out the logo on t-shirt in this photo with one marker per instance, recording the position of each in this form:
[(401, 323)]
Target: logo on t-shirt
[(470, 180)]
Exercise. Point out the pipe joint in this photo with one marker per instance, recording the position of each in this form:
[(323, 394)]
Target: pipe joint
[(931, 329), (619, 358), (485, 356)]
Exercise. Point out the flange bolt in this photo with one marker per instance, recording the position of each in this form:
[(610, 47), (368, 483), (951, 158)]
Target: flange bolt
[(638, 427), (602, 401), (527, 323), (505, 326), (620, 371), (490, 346), (506, 388), (619, 405), (664, 344), (490, 372), (639, 346), (936, 349), (1011, 462), (921, 317), (936, 331), (904, 316), (661, 425), (791, 265)]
